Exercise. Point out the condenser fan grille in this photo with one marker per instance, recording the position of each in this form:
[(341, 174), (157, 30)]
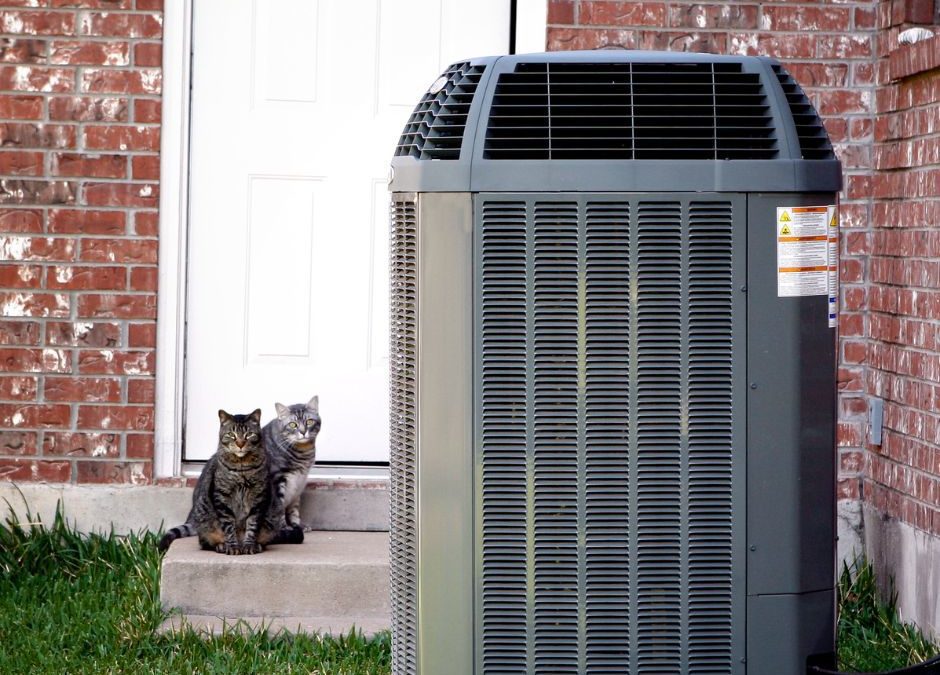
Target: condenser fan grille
[(630, 111), (605, 383)]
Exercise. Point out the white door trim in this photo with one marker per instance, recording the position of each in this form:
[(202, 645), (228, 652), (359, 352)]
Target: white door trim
[(174, 209)]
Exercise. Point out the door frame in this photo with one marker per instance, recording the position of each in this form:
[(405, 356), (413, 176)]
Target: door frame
[(531, 18)]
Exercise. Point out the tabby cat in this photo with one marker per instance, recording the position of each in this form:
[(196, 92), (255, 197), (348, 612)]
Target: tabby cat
[(290, 440), (231, 510)]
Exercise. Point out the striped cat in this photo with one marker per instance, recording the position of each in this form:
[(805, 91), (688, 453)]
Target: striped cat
[(231, 511), (290, 440)]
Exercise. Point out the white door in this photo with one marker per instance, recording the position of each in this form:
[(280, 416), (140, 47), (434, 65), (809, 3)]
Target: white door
[(296, 109)]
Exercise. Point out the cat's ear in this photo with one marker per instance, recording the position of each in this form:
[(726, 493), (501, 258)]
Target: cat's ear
[(314, 404), (224, 416), (282, 410), (256, 416)]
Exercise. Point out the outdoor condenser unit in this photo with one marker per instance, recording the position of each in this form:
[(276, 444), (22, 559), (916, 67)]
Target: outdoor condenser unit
[(613, 369)]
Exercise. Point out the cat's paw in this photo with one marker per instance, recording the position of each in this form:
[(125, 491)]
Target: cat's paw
[(228, 549)]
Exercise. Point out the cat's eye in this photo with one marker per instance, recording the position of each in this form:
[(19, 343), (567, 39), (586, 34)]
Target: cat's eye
[(292, 425)]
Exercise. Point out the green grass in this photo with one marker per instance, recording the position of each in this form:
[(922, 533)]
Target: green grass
[(72, 603), (90, 603), (871, 637)]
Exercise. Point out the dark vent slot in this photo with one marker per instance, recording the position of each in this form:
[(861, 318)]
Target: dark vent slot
[(630, 111), (436, 127), (403, 431), (814, 141)]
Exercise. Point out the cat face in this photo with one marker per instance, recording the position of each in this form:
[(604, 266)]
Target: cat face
[(300, 424), (240, 435)]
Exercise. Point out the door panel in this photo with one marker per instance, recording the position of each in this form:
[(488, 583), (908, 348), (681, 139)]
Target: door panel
[(296, 109)]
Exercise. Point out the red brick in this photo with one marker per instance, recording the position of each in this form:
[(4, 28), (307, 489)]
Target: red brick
[(120, 417), (135, 195), (26, 248), (147, 110), (18, 387), (35, 470), (142, 335), (113, 137), (26, 135), (76, 278), (86, 389), (561, 11), (37, 192), (83, 334), (20, 276), (146, 167), (19, 332), (141, 391), (81, 444), (84, 53), (18, 443), (88, 109), (140, 446), (20, 220), (807, 18), (148, 54), (146, 223), (124, 25), (85, 221), (37, 78), (138, 251), (112, 362), (713, 16), (143, 279), (117, 306), (22, 51), (122, 81), (608, 13), (93, 4), (35, 360), (31, 303), (32, 415), (21, 107), (94, 166), (104, 472), (37, 22), (16, 163)]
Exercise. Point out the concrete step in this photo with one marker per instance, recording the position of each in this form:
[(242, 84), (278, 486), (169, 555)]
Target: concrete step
[(332, 581)]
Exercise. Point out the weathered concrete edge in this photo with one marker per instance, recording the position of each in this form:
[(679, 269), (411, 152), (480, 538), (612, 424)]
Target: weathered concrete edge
[(327, 505), (910, 557)]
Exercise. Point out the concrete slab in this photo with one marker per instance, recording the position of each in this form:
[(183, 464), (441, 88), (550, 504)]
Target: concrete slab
[(332, 574), (359, 505)]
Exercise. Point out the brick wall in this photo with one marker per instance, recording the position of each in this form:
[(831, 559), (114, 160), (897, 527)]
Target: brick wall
[(79, 186), (902, 476), (829, 48)]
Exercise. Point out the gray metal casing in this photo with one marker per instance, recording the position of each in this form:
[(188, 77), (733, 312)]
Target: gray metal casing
[(779, 393)]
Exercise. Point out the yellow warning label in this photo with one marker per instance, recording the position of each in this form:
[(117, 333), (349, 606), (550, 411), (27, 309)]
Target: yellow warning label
[(785, 218), (785, 230)]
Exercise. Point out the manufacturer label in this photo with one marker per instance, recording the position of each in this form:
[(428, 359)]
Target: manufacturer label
[(803, 251)]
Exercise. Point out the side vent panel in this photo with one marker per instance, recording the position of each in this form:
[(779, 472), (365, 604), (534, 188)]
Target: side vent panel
[(814, 141), (599, 111), (606, 408), (436, 128), (403, 409)]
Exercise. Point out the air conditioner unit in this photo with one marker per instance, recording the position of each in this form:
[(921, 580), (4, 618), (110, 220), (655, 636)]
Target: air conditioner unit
[(613, 369)]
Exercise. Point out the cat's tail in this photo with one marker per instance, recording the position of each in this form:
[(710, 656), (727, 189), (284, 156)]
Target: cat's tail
[(178, 532)]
